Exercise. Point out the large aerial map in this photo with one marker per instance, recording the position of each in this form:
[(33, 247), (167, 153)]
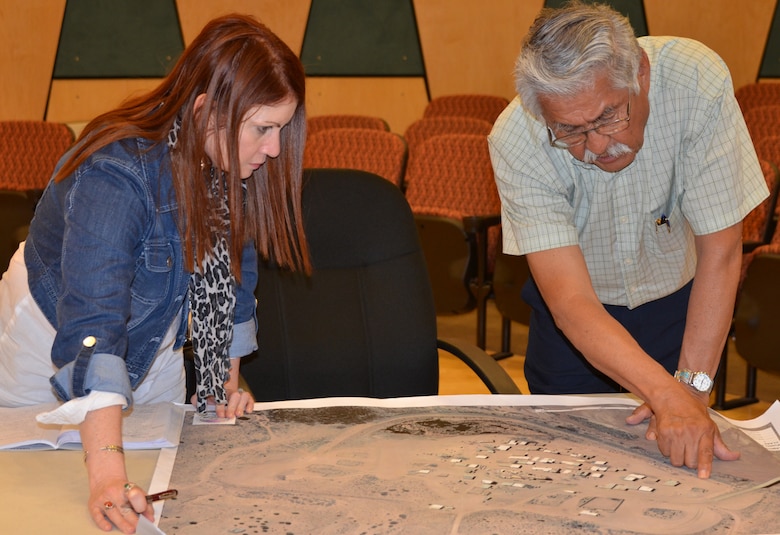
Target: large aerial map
[(458, 470)]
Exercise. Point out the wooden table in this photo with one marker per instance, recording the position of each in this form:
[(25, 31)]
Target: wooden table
[(46, 491)]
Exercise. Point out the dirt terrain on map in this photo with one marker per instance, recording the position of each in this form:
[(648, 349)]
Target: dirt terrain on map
[(457, 470)]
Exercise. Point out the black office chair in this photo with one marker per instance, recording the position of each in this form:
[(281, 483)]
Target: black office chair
[(16, 212), (364, 323)]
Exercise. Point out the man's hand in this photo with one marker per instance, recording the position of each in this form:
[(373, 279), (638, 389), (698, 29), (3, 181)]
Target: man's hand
[(685, 434)]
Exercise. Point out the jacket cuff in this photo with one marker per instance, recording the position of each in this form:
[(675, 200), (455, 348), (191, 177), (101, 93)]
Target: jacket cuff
[(244, 339), (104, 372)]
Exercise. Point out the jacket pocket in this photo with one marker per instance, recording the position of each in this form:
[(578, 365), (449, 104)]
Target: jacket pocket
[(152, 281)]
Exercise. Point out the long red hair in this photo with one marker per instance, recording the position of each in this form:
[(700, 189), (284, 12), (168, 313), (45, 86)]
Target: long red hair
[(238, 63)]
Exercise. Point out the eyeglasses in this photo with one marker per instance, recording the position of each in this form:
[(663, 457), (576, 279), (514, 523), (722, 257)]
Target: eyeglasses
[(578, 138)]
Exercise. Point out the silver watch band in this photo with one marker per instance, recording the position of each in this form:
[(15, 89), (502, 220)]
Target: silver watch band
[(699, 381)]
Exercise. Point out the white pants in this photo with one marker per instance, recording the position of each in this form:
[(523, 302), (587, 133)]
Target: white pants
[(26, 339)]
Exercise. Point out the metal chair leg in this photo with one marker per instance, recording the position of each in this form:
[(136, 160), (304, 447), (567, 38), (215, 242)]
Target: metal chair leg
[(506, 339)]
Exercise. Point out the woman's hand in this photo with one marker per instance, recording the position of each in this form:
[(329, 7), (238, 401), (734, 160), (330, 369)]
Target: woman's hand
[(239, 403), (113, 501), (116, 502)]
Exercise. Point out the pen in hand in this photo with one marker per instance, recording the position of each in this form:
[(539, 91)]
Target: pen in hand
[(164, 495)]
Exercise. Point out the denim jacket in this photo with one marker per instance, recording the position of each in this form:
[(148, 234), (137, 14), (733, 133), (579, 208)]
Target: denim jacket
[(104, 260)]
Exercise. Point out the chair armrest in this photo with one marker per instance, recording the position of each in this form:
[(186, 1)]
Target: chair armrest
[(479, 223), (489, 371)]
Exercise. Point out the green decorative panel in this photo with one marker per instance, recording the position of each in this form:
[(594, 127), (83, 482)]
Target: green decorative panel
[(770, 63), (362, 38), (118, 39), (633, 9)]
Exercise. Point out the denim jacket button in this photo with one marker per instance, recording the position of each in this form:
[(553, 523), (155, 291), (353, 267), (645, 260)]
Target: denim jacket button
[(169, 262)]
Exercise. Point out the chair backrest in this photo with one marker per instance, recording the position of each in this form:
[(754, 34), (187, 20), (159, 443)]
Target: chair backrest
[(364, 323), (318, 123), (452, 176), (758, 225), (29, 151), (763, 121), (768, 148), (757, 94), (423, 129), (375, 151), (480, 106), (755, 320), (426, 128)]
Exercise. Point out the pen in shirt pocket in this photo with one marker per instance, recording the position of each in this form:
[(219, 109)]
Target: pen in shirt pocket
[(663, 220)]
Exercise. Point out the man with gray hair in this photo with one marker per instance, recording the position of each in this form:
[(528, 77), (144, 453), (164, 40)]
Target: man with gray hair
[(625, 170)]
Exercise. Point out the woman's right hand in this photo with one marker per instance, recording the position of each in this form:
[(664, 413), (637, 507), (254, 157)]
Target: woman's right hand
[(113, 500), (116, 502)]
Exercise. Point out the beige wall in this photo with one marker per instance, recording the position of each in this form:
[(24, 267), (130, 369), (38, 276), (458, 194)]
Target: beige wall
[(468, 46), (736, 30), (29, 32)]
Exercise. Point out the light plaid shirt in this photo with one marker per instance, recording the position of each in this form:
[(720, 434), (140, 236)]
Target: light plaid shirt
[(697, 167)]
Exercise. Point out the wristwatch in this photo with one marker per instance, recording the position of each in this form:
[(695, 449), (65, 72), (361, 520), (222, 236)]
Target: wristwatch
[(700, 381)]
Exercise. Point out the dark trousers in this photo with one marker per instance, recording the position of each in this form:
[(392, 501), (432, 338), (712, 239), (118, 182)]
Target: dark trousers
[(554, 366)]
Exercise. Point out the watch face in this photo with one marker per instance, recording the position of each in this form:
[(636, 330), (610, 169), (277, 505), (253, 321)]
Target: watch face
[(701, 382)]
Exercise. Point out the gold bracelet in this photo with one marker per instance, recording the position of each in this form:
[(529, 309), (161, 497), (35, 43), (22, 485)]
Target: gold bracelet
[(110, 447)]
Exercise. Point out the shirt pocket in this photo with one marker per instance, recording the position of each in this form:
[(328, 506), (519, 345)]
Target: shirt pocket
[(152, 281), (666, 233)]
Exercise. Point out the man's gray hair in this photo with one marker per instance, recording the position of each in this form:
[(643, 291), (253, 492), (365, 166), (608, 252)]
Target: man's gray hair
[(567, 48)]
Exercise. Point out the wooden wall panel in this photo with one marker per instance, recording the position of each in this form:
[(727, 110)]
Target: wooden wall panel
[(737, 31), (74, 101), (400, 101), (29, 33), (470, 46)]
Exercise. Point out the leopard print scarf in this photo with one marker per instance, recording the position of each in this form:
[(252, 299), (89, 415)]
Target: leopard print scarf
[(212, 303)]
